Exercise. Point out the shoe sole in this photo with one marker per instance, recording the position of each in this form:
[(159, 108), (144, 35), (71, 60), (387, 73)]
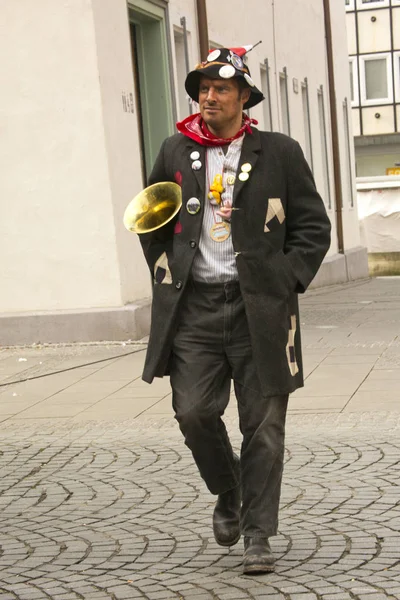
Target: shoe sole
[(254, 569), (228, 544)]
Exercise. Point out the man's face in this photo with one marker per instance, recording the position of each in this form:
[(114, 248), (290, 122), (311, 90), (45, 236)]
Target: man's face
[(221, 102)]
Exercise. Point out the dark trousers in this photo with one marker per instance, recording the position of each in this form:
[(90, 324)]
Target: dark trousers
[(211, 347)]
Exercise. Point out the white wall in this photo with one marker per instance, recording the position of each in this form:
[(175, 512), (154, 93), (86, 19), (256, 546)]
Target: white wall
[(57, 243), (374, 36), (115, 74), (296, 22), (284, 26), (69, 156), (70, 152)]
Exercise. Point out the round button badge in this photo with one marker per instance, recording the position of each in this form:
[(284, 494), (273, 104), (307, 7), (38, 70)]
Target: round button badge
[(193, 206), (227, 71), (249, 80), (236, 61), (214, 55)]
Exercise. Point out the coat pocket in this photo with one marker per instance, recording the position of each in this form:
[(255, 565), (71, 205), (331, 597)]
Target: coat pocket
[(277, 274), (287, 271), (268, 274)]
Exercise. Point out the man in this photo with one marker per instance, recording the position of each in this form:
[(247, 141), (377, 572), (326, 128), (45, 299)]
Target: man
[(251, 234)]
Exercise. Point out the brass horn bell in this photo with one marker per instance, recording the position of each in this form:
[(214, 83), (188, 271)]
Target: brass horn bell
[(153, 207)]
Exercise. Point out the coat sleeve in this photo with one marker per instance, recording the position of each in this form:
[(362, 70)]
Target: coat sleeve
[(155, 243), (307, 223)]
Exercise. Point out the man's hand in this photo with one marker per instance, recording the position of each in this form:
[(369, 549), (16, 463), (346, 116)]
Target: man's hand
[(225, 211)]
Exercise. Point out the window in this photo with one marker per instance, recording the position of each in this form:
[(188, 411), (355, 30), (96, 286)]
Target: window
[(324, 146), (307, 123), (266, 90), (349, 4), (376, 82), (355, 96), (365, 4), (376, 79), (283, 88)]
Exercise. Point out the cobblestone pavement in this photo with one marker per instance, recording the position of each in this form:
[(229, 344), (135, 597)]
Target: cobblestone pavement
[(114, 509), (117, 511)]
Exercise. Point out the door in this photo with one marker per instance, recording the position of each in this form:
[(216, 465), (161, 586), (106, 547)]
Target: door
[(152, 75)]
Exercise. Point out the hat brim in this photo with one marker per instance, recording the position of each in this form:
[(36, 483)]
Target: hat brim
[(192, 83)]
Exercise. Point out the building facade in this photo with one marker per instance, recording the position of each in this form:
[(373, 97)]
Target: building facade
[(373, 28), (92, 87)]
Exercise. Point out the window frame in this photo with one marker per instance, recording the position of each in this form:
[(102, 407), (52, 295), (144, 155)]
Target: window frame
[(265, 71), (363, 83), (351, 6), (396, 58), (348, 141), (356, 102), (181, 36), (305, 97), (374, 4), (284, 101)]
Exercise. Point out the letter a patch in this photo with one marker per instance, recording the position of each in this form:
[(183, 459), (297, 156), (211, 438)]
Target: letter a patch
[(275, 214)]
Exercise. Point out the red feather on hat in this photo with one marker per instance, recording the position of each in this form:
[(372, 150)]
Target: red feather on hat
[(242, 50)]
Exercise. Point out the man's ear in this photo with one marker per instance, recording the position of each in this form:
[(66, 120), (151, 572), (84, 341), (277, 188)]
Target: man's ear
[(245, 95)]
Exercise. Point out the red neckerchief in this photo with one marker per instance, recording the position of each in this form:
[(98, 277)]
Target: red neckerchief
[(195, 128)]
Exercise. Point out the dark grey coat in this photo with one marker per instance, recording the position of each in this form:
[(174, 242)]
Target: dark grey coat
[(280, 233)]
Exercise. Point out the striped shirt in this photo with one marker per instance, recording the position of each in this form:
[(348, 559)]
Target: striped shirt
[(215, 261)]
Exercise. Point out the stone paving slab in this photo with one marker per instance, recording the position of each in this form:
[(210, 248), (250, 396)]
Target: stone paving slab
[(342, 359)]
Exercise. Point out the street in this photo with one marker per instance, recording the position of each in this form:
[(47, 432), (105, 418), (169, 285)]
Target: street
[(100, 499)]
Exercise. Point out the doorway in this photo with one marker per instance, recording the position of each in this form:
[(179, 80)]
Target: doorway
[(152, 75)]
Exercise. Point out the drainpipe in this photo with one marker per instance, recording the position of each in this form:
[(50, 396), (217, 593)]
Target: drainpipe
[(334, 122), (203, 28)]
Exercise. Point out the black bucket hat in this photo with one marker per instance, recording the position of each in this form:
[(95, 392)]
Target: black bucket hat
[(224, 63)]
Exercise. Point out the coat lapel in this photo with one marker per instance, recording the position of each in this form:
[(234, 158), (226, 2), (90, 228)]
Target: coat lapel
[(200, 175), (249, 155)]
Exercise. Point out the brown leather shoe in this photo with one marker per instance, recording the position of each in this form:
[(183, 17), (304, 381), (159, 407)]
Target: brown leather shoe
[(258, 557), (226, 518)]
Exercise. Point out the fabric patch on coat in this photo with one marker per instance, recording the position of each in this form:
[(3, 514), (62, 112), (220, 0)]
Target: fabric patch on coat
[(178, 227), (275, 213), (178, 178), (162, 274), (290, 347)]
